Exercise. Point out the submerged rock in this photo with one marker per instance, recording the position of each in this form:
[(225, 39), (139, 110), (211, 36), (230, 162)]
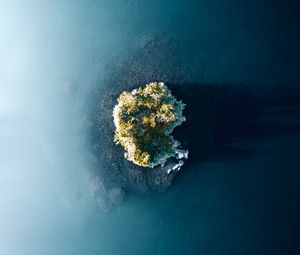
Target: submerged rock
[(116, 195), (154, 58)]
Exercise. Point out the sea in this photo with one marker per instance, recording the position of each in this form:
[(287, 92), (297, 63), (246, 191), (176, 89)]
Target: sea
[(65, 187)]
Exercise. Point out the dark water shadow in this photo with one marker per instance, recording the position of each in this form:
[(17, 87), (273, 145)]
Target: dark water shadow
[(223, 120)]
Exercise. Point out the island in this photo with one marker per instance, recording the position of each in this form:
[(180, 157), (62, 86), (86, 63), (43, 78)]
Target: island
[(144, 121)]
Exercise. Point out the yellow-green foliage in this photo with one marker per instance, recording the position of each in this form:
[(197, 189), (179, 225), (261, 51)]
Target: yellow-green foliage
[(144, 119)]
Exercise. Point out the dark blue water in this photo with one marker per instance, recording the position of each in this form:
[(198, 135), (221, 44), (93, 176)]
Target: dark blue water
[(236, 66)]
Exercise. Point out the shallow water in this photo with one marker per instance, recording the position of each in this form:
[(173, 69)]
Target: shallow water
[(235, 64)]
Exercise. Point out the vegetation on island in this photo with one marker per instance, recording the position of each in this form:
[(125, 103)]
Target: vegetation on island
[(144, 119)]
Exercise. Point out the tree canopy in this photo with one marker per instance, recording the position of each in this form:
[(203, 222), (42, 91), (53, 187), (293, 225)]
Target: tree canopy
[(144, 119)]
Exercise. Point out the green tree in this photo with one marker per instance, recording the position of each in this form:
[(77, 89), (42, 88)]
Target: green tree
[(144, 119)]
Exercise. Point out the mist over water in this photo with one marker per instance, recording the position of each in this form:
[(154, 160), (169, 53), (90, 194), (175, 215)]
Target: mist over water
[(234, 64)]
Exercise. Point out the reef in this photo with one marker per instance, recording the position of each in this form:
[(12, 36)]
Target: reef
[(144, 121)]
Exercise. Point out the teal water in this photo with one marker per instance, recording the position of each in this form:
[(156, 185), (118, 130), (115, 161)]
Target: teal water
[(236, 66)]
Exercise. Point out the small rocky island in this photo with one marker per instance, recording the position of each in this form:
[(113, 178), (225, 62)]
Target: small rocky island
[(144, 121)]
